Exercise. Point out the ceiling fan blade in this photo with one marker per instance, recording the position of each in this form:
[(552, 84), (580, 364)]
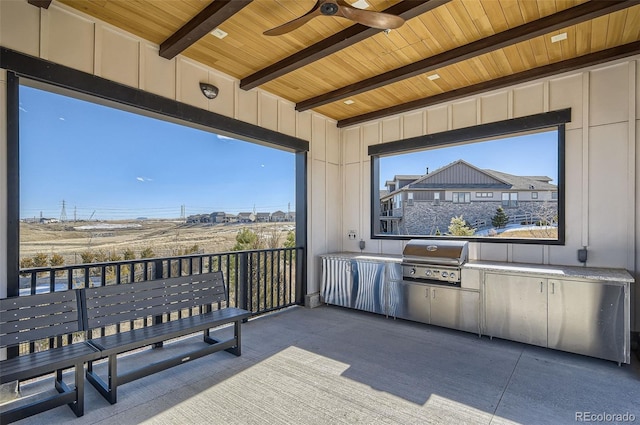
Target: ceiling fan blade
[(296, 23), (369, 18)]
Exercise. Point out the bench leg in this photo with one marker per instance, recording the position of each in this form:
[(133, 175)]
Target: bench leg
[(78, 404), (237, 335), (108, 391)]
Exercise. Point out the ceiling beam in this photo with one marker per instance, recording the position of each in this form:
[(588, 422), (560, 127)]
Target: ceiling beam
[(345, 38), (44, 4), (203, 23), (579, 62), (574, 15)]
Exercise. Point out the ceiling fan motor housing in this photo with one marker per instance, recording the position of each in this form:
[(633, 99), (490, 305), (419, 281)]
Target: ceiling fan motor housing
[(329, 9)]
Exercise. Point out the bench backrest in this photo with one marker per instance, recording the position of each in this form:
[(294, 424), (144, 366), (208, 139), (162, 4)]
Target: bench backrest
[(113, 304), (40, 316)]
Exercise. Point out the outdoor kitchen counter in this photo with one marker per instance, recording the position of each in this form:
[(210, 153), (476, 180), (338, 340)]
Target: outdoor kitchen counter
[(554, 271), (583, 310), (364, 256)]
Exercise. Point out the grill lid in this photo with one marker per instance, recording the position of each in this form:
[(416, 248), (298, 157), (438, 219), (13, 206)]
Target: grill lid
[(430, 251)]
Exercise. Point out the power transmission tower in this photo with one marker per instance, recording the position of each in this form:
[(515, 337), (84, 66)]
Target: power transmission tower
[(63, 213), (182, 213)]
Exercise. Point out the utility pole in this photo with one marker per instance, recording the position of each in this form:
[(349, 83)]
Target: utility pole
[(63, 213)]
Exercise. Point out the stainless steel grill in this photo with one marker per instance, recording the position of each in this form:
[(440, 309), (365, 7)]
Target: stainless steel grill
[(434, 261)]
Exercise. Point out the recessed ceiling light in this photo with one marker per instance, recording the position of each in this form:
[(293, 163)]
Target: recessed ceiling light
[(219, 33), (361, 4), (433, 77), (559, 37), (349, 102)]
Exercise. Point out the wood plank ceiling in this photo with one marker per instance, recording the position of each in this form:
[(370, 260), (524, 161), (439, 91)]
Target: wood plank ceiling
[(446, 49)]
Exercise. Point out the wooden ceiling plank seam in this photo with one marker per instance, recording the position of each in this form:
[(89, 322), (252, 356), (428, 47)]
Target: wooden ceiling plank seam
[(527, 31), (529, 10), (334, 43), (468, 25), (512, 13), (479, 17), (616, 21), (569, 65), (495, 15), (512, 54), (203, 23), (599, 33), (631, 29), (583, 38)]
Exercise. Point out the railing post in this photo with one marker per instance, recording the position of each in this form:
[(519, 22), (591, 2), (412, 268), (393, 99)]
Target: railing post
[(243, 280), (158, 273)]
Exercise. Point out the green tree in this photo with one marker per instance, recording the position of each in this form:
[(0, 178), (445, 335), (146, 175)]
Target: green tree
[(87, 256), (500, 219), (128, 254), (459, 227), (291, 240), (26, 263), (101, 256), (246, 240), (56, 260), (40, 260)]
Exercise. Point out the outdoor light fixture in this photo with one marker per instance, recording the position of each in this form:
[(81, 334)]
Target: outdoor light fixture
[(208, 90)]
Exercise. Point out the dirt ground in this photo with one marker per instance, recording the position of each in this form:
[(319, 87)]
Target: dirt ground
[(166, 238)]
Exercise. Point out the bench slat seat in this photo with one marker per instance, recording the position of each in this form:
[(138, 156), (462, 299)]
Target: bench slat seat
[(44, 362), (111, 305), (36, 317), (149, 335)]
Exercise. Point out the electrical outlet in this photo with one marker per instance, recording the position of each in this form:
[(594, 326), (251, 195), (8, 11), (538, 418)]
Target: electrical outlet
[(351, 234)]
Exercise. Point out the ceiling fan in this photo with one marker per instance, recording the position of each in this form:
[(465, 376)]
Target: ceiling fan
[(345, 10)]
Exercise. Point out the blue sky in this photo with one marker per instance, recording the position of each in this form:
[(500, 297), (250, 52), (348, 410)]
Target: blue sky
[(123, 165), (527, 155)]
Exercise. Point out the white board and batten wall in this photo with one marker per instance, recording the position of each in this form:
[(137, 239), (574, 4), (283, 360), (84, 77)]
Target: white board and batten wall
[(602, 160), (63, 35), (602, 165)]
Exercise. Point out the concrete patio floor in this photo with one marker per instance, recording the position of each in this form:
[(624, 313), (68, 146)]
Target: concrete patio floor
[(331, 365)]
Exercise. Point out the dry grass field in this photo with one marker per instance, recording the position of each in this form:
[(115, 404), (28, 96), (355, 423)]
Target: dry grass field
[(166, 238)]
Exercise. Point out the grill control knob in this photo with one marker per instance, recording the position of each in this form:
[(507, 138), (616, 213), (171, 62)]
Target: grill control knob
[(427, 273), (452, 275), (445, 274), (412, 271)]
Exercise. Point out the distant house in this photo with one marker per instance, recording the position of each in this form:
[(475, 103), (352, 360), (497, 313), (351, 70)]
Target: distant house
[(199, 219), (424, 205), (278, 216), (246, 217), (291, 216), (263, 217), (230, 218), (217, 217)]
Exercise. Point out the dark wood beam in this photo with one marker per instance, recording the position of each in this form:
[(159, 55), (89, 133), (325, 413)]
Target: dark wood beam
[(337, 42), (40, 3), (579, 62), (203, 23), (574, 15)]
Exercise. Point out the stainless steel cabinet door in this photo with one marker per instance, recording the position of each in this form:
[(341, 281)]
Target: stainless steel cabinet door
[(516, 308), (337, 281), (409, 301), (587, 318), (455, 308)]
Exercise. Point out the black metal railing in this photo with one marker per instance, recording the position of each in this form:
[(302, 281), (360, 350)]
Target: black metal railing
[(259, 281)]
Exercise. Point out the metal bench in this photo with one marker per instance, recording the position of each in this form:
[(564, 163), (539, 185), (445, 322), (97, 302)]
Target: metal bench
[(113, 305), (39, 317)]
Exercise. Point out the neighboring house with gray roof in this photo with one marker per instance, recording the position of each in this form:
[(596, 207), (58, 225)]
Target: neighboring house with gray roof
[(426, 204)]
